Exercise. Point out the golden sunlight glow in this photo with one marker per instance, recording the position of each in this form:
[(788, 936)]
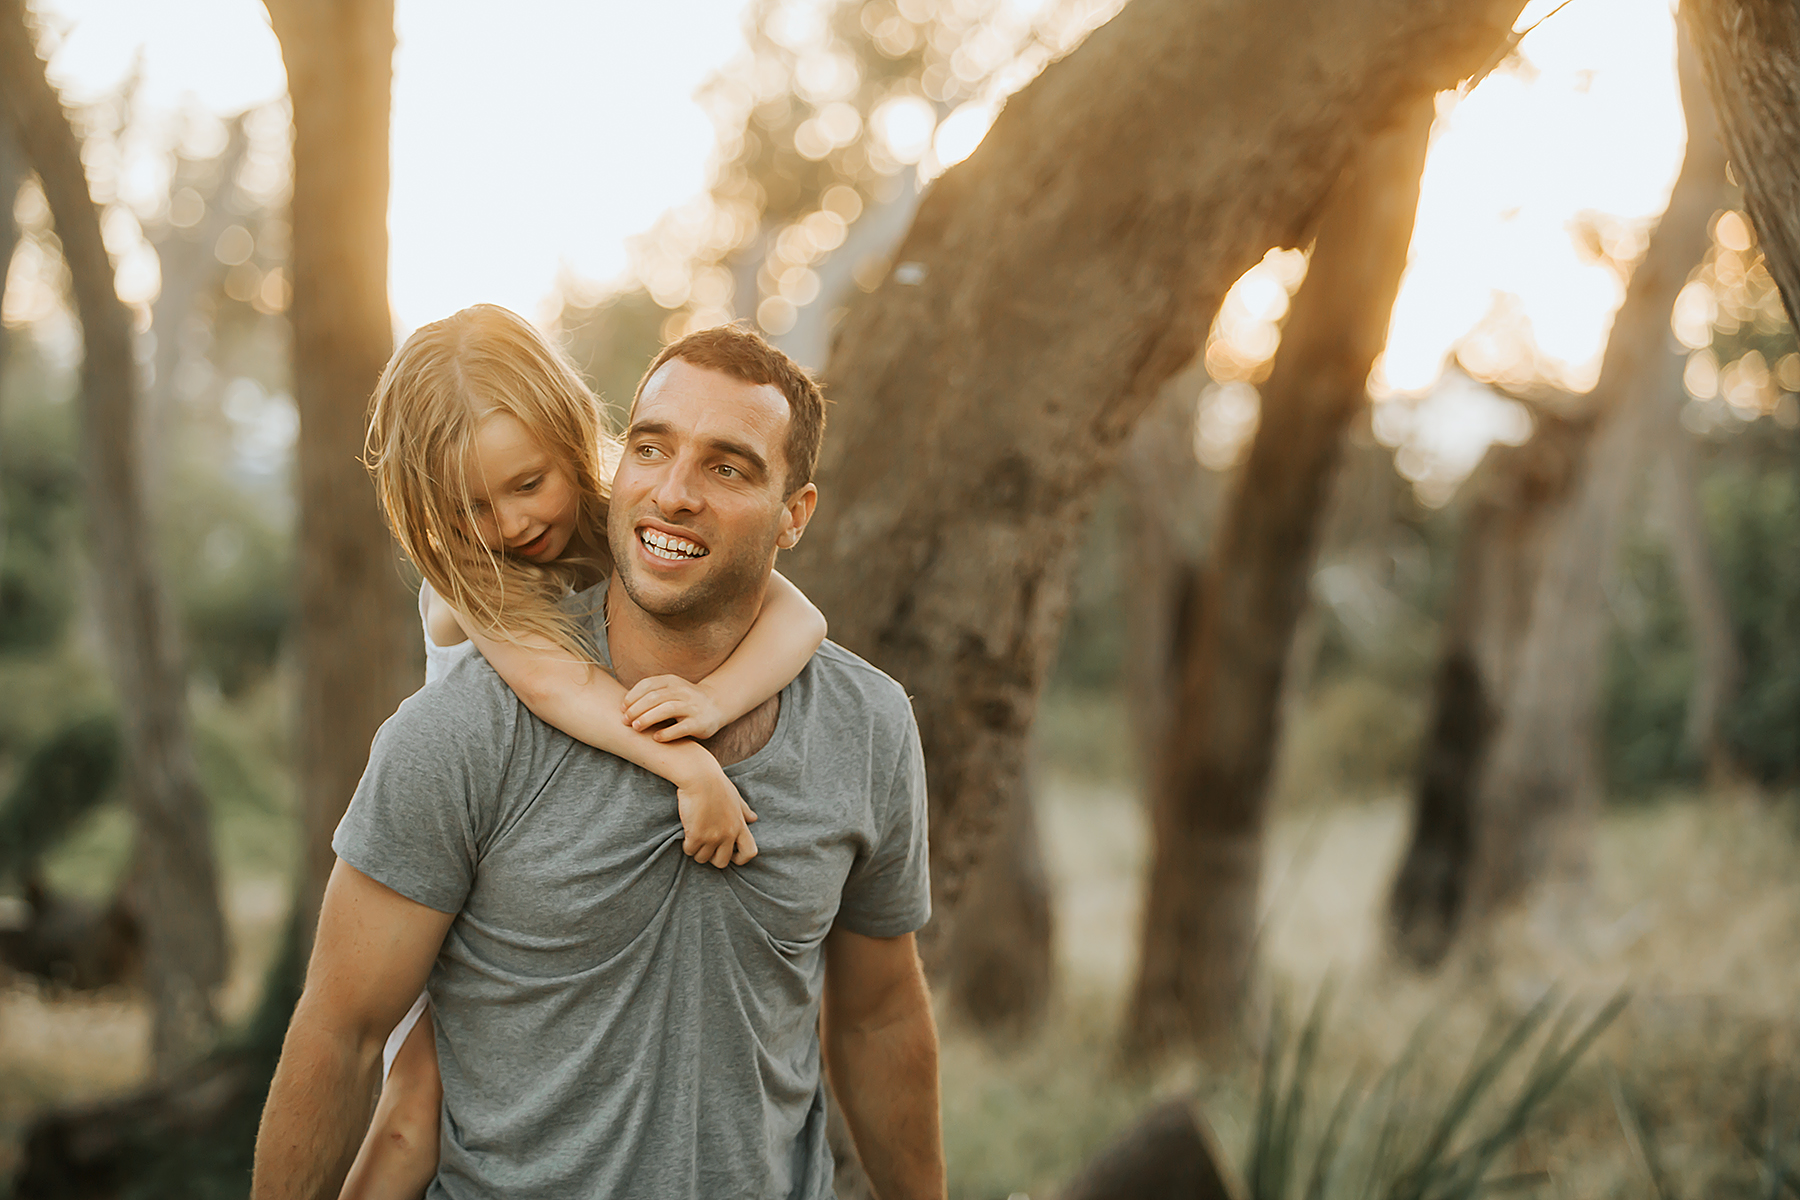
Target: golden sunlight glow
[(1582, 132)]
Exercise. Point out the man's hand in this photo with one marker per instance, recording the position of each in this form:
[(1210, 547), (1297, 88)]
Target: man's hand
[(663, 698), (881, 1049), (370, 960)]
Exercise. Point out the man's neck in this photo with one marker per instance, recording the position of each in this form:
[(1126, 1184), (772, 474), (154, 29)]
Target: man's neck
[(641, 644)]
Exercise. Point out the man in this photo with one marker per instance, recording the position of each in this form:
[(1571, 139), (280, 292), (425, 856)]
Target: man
[(615, 1020)]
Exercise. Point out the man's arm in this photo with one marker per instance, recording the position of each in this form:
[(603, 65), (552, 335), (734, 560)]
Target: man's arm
[(882, 1051), (370, 960)]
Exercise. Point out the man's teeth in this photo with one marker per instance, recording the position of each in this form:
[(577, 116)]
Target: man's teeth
[(664, 546)]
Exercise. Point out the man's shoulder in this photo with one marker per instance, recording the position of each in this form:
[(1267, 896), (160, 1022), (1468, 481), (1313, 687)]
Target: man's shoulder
[(853, 681), (469, 703)]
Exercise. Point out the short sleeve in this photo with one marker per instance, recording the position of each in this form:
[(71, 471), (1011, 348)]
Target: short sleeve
[(888, 891), (415, 822)]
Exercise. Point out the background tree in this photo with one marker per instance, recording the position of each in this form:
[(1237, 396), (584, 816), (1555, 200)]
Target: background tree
[(1510, 778), (173, 889), (356, 627), (1210, 787)]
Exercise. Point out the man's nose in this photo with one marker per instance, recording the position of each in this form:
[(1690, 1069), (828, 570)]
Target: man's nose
[(678, 488)]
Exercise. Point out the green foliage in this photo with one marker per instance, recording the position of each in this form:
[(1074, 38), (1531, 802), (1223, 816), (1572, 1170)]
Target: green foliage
[(39, 488), (61, 782), (1394, 1141), (1755, 512), (232, 582), (1751, 499), (1092, 654)]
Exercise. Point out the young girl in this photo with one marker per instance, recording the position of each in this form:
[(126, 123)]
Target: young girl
[(493, 462)]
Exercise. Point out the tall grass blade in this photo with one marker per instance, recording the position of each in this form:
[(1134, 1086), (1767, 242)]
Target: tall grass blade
[(1638, 1138), (1259, 1171), (1430, 1165)]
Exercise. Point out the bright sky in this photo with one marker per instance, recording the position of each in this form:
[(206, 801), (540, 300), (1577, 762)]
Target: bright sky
[(543, 140), (522, 142)]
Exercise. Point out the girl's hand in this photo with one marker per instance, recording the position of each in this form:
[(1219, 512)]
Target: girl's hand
[(663, 698), (715, 820)]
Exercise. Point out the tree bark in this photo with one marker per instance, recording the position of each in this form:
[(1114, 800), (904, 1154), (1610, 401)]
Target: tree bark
[(1050, 285), (1750, 52), (1510, 777), (175, 897), (14, 171), (1208, 801), (356, 625), (1000, 963)]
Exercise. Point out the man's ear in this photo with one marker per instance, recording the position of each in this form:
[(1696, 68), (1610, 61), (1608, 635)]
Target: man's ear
[(799, 511)]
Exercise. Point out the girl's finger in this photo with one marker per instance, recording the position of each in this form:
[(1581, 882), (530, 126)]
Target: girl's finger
[(722, 856), (668, 710), (686, 727), (748, 812), (745, 848), (643, 704)]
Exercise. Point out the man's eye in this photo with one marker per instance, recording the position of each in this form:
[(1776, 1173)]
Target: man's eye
[(728, 471)]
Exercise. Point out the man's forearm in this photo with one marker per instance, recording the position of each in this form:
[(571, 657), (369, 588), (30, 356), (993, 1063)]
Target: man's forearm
[(318, 1108), (885, 1078)]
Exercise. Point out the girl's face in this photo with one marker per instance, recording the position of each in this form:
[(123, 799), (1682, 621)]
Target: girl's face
[(525, 500)]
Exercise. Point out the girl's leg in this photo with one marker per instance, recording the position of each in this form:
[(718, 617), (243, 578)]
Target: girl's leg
[(399, 1155)]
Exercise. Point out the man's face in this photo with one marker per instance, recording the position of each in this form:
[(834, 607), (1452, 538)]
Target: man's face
[(697, 509)]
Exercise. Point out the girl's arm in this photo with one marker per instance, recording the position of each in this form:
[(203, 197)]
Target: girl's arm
[(399, 1154), (781, 641), (584, 702)]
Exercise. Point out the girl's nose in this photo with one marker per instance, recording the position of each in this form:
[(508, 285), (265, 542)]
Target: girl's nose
[(513, 521)]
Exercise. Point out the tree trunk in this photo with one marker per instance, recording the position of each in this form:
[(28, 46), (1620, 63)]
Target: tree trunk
[(175, 897), (1750, 52), (1169, 510), (189, 269), (1208, 801), (1718, 663), (1050, 285), (356, 624), (1510, 776), (1000, 963), (13, 173)]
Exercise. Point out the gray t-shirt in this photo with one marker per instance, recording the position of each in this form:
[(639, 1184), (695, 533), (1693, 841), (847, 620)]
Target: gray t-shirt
[(614, 1020)]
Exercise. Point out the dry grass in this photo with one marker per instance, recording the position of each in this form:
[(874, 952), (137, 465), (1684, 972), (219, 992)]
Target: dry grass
[(1695, 906)]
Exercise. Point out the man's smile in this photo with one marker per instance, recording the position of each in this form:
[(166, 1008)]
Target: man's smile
[(669, 547)]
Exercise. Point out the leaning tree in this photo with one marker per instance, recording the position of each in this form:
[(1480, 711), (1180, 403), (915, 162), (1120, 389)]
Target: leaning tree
[(1048, 287)]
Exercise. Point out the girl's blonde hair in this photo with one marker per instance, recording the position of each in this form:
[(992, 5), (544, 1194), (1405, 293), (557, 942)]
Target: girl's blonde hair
[(440, 385)]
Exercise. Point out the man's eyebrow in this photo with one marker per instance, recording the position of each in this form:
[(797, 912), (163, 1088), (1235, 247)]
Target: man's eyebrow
[(755, 461)]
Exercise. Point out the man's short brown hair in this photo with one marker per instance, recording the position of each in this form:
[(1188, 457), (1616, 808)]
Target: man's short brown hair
[(744, 355)]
